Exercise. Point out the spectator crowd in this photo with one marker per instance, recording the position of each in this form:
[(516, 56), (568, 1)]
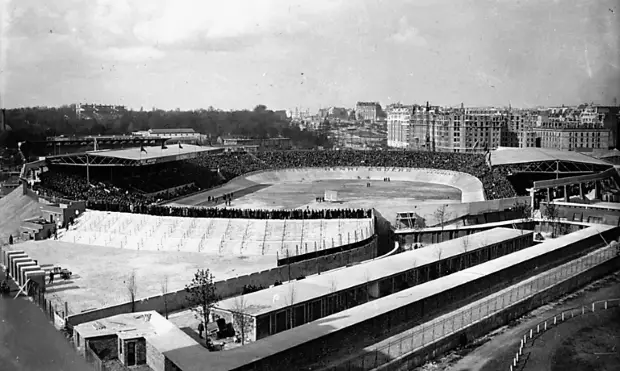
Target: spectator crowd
[(208, 171)]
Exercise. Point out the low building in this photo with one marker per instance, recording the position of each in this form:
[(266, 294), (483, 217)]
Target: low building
[(295, 303), (133, 339), (262, 144), (167, 133)]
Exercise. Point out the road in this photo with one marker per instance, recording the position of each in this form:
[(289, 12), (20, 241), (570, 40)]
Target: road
[(29, 342)]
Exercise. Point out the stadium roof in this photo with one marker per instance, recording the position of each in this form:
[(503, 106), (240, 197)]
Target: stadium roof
[(151, 152), (510, 156), (135, 156)]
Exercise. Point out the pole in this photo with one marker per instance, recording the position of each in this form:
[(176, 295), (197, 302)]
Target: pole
[(87, 170)]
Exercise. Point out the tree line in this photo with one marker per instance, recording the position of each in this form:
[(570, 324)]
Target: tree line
[(37, 123)]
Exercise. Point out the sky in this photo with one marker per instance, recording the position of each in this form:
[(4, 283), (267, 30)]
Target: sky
[(236, 54)]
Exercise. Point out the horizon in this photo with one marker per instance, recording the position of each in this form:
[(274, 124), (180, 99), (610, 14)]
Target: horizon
[(328, 53)]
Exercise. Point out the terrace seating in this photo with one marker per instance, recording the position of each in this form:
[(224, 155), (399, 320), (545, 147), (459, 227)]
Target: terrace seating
[(215, 236)]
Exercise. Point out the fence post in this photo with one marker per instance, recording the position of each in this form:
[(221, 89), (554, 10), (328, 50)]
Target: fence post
[(531, 333), (605, 304), (545, 325), (538, 328)]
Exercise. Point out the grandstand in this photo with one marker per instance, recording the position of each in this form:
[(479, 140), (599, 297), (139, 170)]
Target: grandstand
[(216, 236), (246, 242)]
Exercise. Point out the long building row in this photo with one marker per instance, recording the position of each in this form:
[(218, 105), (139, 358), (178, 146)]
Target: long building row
[(478, 129)]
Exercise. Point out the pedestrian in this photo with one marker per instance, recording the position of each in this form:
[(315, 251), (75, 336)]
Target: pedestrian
[(201, 328), (10, 239), (51, 277)]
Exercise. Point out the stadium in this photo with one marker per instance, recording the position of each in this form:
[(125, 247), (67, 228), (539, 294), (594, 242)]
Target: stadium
[(340, 228)]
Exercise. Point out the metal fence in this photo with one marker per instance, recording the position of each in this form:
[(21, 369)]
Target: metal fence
[(553, 321), (422, 336)]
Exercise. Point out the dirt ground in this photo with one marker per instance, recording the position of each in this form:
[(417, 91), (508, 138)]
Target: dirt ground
[(99, 273), (588, 343)]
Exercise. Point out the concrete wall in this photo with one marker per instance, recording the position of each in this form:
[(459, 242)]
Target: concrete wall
[(154, 359), (234, 286), (485, 326), (470, 186)]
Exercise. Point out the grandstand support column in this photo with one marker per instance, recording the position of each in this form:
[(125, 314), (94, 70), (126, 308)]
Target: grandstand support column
[(581, 190), (566, 193), (549, 190), (87, 170), (597, 189)]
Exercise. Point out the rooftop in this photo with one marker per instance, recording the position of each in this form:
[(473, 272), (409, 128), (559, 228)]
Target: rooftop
[(157, 330), (510, 156), (166, 131), (152, 152), (278, 297), (313, 330)]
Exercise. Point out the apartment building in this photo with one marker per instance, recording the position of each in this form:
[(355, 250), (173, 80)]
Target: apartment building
[(569, 134), (399, 124), (367, 111), (444, 129)]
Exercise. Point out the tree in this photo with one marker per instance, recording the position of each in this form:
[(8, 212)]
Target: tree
[(552, 213), (201, 295), (524, 212), (333, 285), (242, 322), (290, 301), (439, 252), (132, 289), (164, 292), (465, 248), (442, 216)]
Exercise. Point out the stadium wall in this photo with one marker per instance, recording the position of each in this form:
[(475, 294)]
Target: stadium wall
[(176, 300), (502, 318), (471, 187)]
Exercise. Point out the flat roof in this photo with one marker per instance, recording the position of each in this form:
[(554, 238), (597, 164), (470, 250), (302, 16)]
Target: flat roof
[(152, 152), (508, 156), (278, 297), (157, 330), (282, 341)]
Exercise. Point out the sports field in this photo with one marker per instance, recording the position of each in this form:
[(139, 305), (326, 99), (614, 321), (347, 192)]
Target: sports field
[(386, 197)]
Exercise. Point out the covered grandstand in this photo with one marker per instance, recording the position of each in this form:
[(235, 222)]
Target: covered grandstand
[(544, 160), (137, 156)]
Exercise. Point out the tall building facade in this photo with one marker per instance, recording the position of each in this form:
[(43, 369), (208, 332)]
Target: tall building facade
[(569, 134), (399, 123), (367, 111), (447, 130)]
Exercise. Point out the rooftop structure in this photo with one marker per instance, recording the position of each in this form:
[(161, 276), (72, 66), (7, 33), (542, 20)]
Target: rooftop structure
[(307, 295)]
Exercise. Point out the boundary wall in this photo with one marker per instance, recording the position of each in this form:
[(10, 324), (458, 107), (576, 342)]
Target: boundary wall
[(176, 301), (436, 337), (471, 187)]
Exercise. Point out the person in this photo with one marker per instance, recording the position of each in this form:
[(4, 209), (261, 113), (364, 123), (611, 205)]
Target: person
[(201, 328), (10, 239), (51, 277)]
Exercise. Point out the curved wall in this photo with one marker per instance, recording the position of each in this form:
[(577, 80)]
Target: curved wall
[(471, 187)]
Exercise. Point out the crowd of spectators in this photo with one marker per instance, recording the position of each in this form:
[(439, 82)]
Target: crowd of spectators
[(212, 212), (211, 170), (495, 183)]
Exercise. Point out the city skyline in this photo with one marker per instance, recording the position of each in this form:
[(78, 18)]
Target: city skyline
[(234, 55)]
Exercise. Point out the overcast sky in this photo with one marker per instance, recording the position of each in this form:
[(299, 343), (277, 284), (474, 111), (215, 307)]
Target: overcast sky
[(286, 53)]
